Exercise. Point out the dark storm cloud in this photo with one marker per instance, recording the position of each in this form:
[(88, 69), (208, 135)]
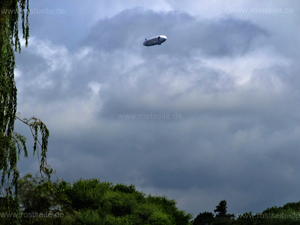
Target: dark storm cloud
[(129, 28), (223, 37), (124, 31), (230, 37), (187, 38), (134, 99), (231, 136)]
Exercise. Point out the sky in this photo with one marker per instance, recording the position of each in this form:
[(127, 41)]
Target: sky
[(211, 114)]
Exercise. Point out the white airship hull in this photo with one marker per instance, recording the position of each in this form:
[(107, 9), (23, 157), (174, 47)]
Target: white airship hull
[(157, 40)]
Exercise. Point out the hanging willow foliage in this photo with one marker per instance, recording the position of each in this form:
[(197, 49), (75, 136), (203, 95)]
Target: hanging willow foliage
[(12, 143)]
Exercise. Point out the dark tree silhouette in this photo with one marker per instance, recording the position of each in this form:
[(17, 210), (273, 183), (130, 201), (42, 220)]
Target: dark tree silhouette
[(221, 210), (204, 218)]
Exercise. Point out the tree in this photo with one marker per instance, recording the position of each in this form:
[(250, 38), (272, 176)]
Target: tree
[(221, 211), (42, 201), (204, 218), (96, 202), (12, 143)]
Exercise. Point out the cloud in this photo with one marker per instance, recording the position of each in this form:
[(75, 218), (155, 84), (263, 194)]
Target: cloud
[(217, 38), (228, 91)]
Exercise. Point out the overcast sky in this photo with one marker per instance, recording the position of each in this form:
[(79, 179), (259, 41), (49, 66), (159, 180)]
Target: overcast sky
[(211, 114)]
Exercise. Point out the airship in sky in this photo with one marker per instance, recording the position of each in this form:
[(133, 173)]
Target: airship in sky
[(157, 40)]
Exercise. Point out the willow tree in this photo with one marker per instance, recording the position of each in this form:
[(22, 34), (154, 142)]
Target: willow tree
[(12, 143)]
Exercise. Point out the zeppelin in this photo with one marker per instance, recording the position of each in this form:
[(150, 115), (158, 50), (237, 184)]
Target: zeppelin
[(157, 40)]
